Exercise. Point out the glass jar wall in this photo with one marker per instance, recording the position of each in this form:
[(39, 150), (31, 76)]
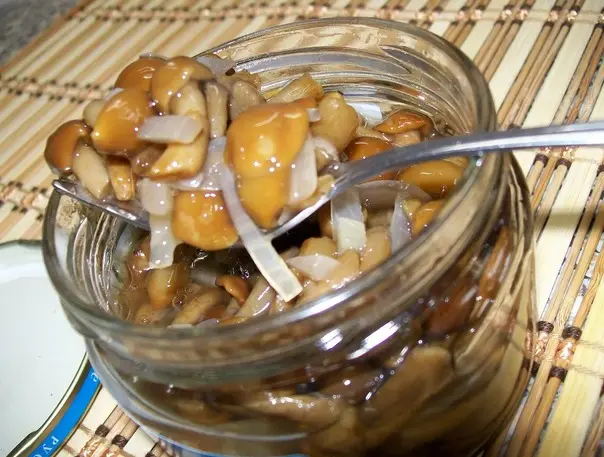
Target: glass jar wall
[(425, 355)]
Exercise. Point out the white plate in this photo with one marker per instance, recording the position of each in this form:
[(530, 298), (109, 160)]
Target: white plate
[(40, 354)]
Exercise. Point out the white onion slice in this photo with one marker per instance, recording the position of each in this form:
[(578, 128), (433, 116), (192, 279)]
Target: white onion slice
[(371, 112), (303, 180), (170, 128), (269, 262), (326, 148), (317, 267), (213, 164), (155, 197), (112, 92), (163, 242), (400, 227), (347, 220), (218, 65), (193, 183), (314, 115)]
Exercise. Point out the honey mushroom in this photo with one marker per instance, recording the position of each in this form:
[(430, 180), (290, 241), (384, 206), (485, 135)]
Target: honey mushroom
[(91, 171), (377, 248), (163, 284), (123, 180), (363, 147), (61, 146), (437, 177), (338, 121), (143, 160), (236, 286), (424, 215), (403, 121), (91, 112), (262, 143), (185, 160), (117, 124), (168, 79), (244, 95), (322, 246), (201, 219), (217, 98), (137, 263), (139, 73), (303, 87), (195, 310)]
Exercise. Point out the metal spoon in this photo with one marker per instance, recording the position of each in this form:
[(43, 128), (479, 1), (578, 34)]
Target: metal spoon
[(351, 173)]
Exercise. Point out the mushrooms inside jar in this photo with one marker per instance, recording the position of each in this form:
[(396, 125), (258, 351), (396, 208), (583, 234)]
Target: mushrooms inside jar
[(213, 161)]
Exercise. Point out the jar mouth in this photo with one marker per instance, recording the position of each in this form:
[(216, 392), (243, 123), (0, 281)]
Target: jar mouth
[(485, 120)]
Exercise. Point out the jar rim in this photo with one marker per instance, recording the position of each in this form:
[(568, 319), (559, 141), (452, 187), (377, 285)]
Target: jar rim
[(485, 121)]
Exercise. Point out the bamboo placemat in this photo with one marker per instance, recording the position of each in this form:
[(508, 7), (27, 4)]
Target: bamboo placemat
[(544, 62)]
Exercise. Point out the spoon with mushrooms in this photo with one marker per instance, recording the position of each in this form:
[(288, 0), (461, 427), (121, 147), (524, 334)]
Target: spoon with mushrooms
[(355, 172)]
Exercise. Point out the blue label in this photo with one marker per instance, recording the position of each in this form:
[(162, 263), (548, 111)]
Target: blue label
[(70, 420), (179, 450)]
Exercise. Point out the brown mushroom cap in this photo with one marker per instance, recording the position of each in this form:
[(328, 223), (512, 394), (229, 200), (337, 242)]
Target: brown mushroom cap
[(116, 129), (61, 145), (266, 138), (169, 78), (138, 74), (366, 146), (202, 220)]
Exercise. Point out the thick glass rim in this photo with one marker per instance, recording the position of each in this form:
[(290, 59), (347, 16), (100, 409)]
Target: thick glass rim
[(485, 121)]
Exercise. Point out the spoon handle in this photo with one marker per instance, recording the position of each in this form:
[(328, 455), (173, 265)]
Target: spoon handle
[(587, 134)]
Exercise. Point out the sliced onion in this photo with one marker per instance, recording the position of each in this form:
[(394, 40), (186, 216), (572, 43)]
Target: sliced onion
[(382, 194), (303, 181), (218, 65), (326, 148), (155, 197), (170, 128), (371, 112), (213, 164), (314, 115), (193, 183), (285, 216), (112, 92), (163, 242), (269, 262), (316, 267), (400, 226), (347, 220)]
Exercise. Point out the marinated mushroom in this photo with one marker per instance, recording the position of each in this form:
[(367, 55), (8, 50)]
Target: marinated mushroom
[(403, 121), (139, 73), (201, 220), (363, 147), (122, 178), (217, 99), (62, 144), (338, 121), (116, 127), (169, 78), (91, 171), (301, 88), (223, 127)]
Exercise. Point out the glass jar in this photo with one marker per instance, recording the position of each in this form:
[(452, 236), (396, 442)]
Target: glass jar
[(428, 354)]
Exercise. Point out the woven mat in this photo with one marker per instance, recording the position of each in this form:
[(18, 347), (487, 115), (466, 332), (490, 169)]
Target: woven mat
[(543, 59)]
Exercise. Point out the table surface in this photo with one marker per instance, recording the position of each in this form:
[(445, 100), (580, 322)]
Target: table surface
[(544, 63)]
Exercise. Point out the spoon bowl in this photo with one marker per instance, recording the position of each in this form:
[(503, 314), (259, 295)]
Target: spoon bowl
[(349, 174)]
